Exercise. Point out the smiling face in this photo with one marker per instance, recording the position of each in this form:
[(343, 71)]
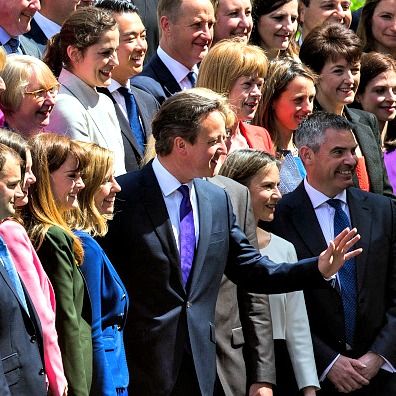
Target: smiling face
[(263, 188), (337, 84), (320, 11), (294, 104), (245, 96), (204, 154), (277, 28), (28, 179), (233, 19), (105, 196), (132, 48), (188, 39), (66, 182), (95, 64), (15, 15), (10, 186), (383, 26), (330, 169), (34, 111)]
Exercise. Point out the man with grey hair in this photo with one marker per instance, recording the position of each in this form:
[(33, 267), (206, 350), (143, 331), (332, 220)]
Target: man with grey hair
[(172, 238), (353, 318), (186, 32)]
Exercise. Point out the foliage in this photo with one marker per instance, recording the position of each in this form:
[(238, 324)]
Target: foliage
[(357, 4)]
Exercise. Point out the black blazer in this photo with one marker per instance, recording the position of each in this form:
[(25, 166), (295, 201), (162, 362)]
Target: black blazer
[(164, 314), (21, 346), (156, 79), (374, 216), (147, 107)]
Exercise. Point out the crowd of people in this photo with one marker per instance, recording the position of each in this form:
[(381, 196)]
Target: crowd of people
[(200, 203)]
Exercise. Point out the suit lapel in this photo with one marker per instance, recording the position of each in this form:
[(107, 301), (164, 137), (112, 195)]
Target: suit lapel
[(361, 218), (164, 76), (205, 226)]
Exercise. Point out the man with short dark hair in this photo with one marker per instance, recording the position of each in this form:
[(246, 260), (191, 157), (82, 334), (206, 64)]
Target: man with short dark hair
[(353, 318), (172, 238)]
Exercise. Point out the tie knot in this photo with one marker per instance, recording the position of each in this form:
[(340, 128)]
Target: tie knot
[(184, 190), (335, 203), (192, 76), (14, 44), (124, 91)]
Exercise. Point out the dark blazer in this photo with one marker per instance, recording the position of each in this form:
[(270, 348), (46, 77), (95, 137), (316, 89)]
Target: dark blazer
[(21, 345), (165, 316), (244, 344), (36, 35), (147, 107), (375, 218), (156, 79), (368, 138)]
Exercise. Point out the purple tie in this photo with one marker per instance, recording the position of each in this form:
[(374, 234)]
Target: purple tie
[(186, 233)]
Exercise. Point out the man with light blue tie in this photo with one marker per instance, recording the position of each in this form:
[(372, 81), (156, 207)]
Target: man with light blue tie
[(353, 318), (134, 107), (15, 18)]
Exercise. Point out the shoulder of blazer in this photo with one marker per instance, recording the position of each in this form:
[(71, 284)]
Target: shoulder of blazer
[(36, 33)]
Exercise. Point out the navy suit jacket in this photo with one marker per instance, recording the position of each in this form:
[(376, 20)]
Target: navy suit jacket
[(21, 346), (157, 80), (374, 216), (164, 315), (147, 107)]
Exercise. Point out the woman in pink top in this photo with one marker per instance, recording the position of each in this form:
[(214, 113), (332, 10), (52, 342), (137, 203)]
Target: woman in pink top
[(32, 273)]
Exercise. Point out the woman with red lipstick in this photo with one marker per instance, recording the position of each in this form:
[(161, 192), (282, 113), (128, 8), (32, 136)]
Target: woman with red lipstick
[(31, 271), (275, 25), (83, 55), (108, 295), (377, 94), (237, 70), (58, 163), (377, 26), (259, 172), (334, 52), (288, 96), (30, 96)]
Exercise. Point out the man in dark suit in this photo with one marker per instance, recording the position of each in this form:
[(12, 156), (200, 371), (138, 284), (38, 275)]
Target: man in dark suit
[(172, 250), (49, 20), (15, 18), (131, 53), (354, 342), (21, 349), (186, 35)]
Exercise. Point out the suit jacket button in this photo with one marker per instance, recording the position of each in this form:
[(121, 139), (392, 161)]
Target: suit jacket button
[(41, 372), (188, 304), (33, 339)]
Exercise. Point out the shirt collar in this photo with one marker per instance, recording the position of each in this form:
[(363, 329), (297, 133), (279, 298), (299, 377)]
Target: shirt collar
[(318, 198), (4, 36), (114, 85), (49, 28)]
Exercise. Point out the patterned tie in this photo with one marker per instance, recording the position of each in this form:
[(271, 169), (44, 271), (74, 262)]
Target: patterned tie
[(347, 276), (14, 44), (192, 77), (9, 266), (187, 233), (133, 116)]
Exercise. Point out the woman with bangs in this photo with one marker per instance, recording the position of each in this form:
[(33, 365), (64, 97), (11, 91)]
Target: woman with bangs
[(108, 294), (58, 163), (288, 97), (334, 53), (237, 70), (29, 99), (275, 25)]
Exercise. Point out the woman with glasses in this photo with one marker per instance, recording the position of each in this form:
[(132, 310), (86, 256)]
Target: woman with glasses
[(29, 99), (83, 55)]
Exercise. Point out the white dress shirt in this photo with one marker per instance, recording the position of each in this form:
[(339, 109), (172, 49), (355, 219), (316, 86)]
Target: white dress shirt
[(49, 28)]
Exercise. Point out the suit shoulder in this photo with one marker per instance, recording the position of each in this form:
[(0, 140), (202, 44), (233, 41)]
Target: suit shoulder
[(377, 199), (144, 97), (226, 182)]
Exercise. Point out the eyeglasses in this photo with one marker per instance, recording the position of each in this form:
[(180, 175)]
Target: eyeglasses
[(41, 94)]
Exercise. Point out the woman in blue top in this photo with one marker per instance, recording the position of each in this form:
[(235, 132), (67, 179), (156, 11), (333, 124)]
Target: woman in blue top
[(108, 295)]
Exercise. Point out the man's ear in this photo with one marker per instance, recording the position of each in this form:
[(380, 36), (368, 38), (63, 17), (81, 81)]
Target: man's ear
[(179, 144), (165, 24), (302, 12), (74, 54), (306, 154)]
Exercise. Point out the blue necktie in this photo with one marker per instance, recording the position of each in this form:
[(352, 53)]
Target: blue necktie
[(347, 276), (133, 116), (192, 76), (13, 44), (186, 233), (9, 266)]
